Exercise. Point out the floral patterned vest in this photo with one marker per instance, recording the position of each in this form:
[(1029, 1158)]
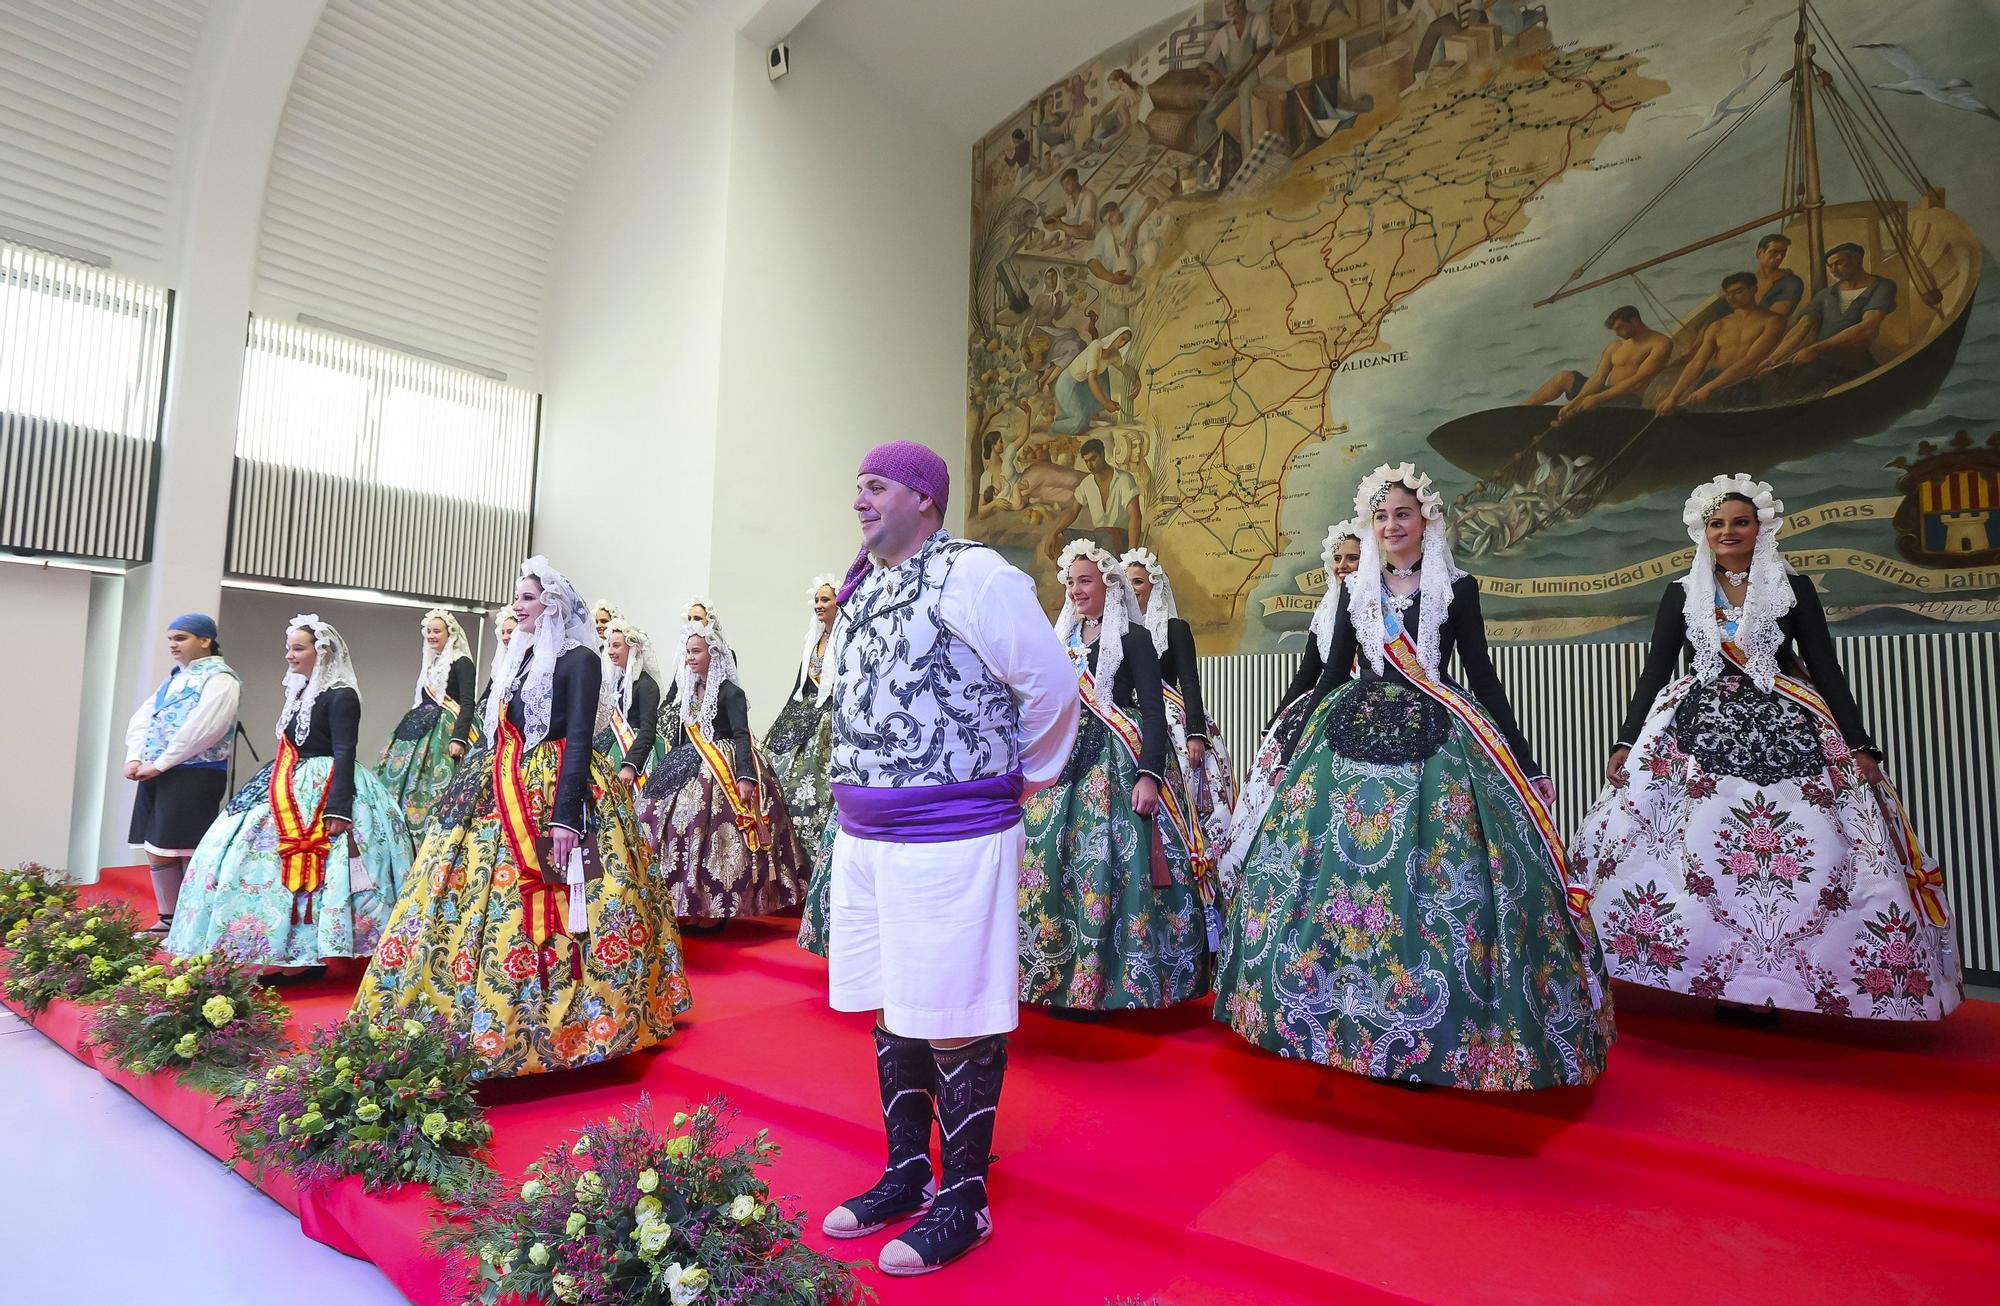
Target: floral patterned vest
[(912, 703), (173, 701)]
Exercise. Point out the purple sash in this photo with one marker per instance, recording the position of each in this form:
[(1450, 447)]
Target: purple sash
[(931, 813)]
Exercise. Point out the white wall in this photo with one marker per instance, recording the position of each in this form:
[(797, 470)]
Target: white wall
[(756, 282), (625, 495), (43, 666), (843, 325)]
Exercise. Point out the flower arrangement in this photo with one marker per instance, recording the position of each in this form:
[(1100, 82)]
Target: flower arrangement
[(390, 1102), (77, 953), (622, 1215), (205, 1016), (26, 889)]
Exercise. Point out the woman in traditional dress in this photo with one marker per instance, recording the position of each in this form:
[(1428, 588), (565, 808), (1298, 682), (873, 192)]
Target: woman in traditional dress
[(419, 760), (801, 747), (530, 919), (1339, 556), (467, 733), (305, 861), (1749, 848), (632, 669), (1404, 910), (177, 748), (1113, 916), (726, 841), (1197, 741)]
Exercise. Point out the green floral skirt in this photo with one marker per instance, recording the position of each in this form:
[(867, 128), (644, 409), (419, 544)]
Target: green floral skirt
[(1398, 915), (813, 920), (1095, 933), (417, 764)]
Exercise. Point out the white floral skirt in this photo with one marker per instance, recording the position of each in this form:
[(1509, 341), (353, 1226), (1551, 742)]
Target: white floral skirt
[(1745, 860)]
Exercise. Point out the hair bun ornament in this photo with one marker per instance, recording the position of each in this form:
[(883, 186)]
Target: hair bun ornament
[(1707, 498), (1369, 494)]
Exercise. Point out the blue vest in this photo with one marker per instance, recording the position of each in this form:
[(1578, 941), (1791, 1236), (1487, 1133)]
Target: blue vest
[(173, 701)]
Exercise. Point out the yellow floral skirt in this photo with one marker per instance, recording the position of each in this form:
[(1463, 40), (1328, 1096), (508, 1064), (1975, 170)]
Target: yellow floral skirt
[(457, 939)]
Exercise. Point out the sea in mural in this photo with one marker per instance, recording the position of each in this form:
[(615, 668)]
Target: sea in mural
[(1231, 264)]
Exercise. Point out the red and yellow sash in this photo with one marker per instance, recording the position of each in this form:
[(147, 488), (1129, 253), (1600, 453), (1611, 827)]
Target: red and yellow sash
[(1926, 882), (542, 902), (747, 819), (1403, 656), (302, 841), (1129, 736)]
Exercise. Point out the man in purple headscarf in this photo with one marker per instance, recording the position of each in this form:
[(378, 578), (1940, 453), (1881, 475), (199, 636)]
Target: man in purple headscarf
[(952, 700)]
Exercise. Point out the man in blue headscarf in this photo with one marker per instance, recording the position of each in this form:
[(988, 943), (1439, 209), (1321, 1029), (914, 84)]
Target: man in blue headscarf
[(177, 748)]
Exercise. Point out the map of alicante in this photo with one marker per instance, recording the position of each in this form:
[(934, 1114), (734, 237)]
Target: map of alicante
[(1175, 286)]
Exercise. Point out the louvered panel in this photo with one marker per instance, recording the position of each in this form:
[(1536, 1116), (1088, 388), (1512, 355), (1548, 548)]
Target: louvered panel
[(362, 467), (81, 359), (1930, 699), (426, 157), (91, 98)]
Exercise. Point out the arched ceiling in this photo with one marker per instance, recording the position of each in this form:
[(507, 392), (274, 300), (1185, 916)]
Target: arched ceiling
[(427, 154)]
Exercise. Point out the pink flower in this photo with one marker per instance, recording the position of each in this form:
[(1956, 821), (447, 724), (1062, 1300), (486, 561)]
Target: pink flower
[(1876, 982), (1917, 984), (1741, 864), (1761, 838), (1375, 917), (1663, 956), (1345, 911), (1645, 924), (1899, 955), (1786, 865), (1625, 946)]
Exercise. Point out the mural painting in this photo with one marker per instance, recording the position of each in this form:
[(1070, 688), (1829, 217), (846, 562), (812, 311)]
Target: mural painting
[(1570, 258)]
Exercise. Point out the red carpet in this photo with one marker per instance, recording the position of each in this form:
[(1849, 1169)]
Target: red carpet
[(1821, 1162)]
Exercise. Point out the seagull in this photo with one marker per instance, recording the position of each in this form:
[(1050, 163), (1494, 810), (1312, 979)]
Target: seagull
[(1726, 107), (1952, 92)]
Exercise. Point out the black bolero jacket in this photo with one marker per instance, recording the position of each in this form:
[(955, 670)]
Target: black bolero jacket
[(336, 725), (644, 718), (1808, 642), (1464, 631), (1179, 668), (1136, 688), (732, 728), (572, 718)]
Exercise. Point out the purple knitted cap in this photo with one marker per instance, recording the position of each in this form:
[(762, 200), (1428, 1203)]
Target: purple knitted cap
[(915, 465)]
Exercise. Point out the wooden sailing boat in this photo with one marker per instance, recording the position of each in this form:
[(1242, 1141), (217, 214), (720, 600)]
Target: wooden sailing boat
[(1930, 253)]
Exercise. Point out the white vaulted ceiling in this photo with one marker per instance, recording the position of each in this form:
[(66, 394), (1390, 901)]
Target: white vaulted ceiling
[(92, 96), (426, 156)]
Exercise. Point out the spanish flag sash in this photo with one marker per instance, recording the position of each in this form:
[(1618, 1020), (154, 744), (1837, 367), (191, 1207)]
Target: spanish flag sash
[(1403, 656), (1925, 880), (302, 841), (542, 900), (1129, 736), (747, 818)]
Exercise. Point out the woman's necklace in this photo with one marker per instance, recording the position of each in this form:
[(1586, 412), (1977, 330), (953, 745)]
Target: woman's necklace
[(1736, 578), (1404, 572)]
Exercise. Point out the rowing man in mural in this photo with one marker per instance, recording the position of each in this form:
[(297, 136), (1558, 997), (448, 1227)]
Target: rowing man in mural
[(1829, 342), (1627, 366), (1731, 349)]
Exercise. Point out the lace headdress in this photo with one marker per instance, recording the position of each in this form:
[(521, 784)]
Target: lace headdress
[(721, 668), (1161, 608), (436, 673), (1768, 597), (1321, 629), (525, 671), (815, 628), (332, 667), (1119, 604), (1364, 589)]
